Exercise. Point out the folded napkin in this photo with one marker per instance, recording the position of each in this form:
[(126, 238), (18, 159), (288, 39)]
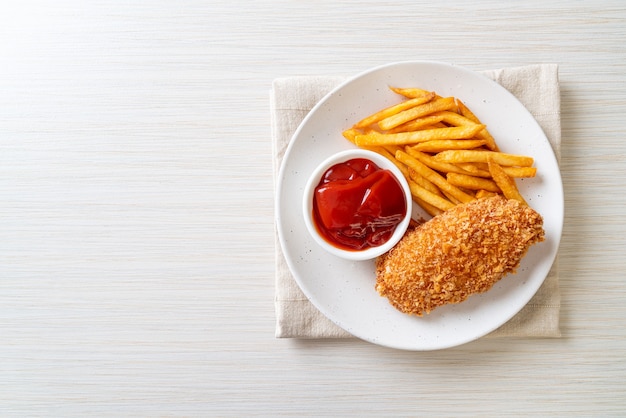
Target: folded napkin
[(536, 86)]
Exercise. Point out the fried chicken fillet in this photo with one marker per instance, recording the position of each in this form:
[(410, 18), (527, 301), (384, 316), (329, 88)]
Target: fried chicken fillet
[(460, 252)]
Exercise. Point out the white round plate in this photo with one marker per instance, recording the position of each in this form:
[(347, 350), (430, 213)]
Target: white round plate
[(344, 290)]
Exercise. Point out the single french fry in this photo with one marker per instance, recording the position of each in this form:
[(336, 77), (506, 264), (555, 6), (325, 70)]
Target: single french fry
[(444, 103), (505, 183), (465, 111), (434, 177), (451, 198), (350, 134), (481, 194), (455, 119), (428, 208), (393, 148), (478, 156), (489, 141), (472, 183), (447, 144), (395, 109), (474, 169), (385, 153), (427, 122), (391, 157), (430, 161), (409, 92), (429, 197), (520, 172), (377, 138), (415, 137), (425, 183)]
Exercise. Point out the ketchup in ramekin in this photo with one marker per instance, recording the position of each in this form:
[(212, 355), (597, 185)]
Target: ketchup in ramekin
[(357, 205)]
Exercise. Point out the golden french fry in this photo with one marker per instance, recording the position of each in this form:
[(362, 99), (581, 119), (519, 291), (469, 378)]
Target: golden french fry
[(406, 138), (484, 193), (417, 112), (465, 111), (430, 161), (430, 209), (429, 197), (391, 157), (448, 144), (520, 172), (427, 122), (425, 183), (455, 119), (350, 134), (433, 177), (472, 183), (393, 148), (377, 138), (395, 109), (451, 198), (477, 156), (505, 183), (489, 141), (475, 169), (409, 92)]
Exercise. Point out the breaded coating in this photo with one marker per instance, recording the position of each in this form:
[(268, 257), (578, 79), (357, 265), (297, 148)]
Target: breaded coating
[(462, 251)]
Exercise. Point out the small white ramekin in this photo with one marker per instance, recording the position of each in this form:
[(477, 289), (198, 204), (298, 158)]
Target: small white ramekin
[(314, 180)]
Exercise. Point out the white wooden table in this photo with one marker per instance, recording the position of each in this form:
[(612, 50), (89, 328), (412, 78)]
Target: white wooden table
[(136, 210)]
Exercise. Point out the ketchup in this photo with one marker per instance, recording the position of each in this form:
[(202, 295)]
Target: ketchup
[(358, 205)]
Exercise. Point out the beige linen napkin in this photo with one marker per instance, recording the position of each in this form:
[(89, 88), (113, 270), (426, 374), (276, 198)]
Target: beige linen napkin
[(536, 86)]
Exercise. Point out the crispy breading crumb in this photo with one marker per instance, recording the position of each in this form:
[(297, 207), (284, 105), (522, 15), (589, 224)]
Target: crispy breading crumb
[(462, 251)]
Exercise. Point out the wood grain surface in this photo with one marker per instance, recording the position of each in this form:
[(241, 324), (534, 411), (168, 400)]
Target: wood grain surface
[(137, 210)]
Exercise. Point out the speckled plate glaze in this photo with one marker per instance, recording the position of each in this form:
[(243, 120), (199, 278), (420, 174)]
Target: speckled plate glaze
[(344, 290)]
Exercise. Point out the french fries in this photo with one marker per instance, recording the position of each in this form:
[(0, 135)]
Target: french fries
[(403, 138), (505, 183), (390, 111), (472, 183), (445, 152), (478, 156), (433, 106), (434, 177), (433, 200), (438, 145)]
